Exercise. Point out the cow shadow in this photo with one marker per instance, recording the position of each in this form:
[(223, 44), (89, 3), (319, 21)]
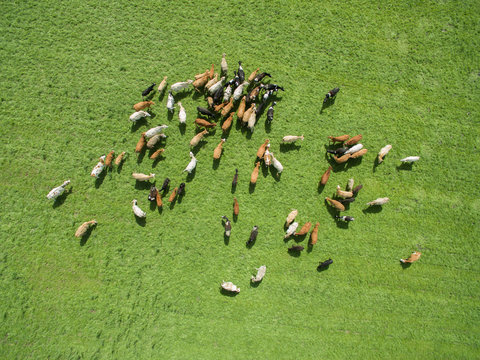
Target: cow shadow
[(275, 174), (249, 244), (328, 103), (320, 187), (157, 160), (405, 166), (137, 124), (342, 224), (255, 284), (120, 167), (294, 253), (182, 127), (284, 147), (227, 293), (140, 221), (331, 210), (251, 187), (191, 175), (143, 185), (216, 163), (322, 269), (141, 155), (373, 209), (61, 199), (173, 202), (405, 265), (375, 164), (100, 179), (268, 126), (353, 162), (170, 115), (86, 236)]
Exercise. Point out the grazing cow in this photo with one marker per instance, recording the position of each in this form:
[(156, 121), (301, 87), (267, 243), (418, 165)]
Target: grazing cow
[(344, 194), (383, 151), (210, 101), (204, 123), (331, 94), (97, 170), (347, 200), (227, 108), (410, 159), (180, 85), (205, 73), (219, 107), (223, 64), (291, 230), (276, 164), (205, 112), (56, 192), (241, 108), (260, 77), (227, 123), (138, 115), (181, 189), (296, 248), (260, 274), (143, 105), (154, 140), (291, 216), (229, 286), (192, 164), (239, 90), (142, 177), (247, 113), (342, 159), (254, 176), (252, 119), (228, 226), (137, 211), (325, 176), (235, 178), (358, 154), (240, 72), (353, 140), (217, 95), (154, 131), (170, 102), (262, 148), (163, 85), (350, 184), (336, 204), (357, 189), (109, 159), (304, 230), (236, 208), (196, 139), (314, 234), (212, 81), (270, 112), (354, 149), (148, 90), (379, 201), (210, 73), (120, 158), (253, 236), (228, 92), (159, 199), (152, 195), (156, 154), (182, 115), (272, 87), (200, 82), (173, 195), (413, 257), (165, 185), (339, 139), (292, 138), (216, 86), (253, 75), (141, 143), (218, 150), (325, 264), (338, 152), (344, 218), (267, 157), (82, 229)]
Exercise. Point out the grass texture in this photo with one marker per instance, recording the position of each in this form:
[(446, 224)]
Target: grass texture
[(409, 76)]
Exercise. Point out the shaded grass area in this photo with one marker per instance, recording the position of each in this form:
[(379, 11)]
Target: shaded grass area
[(408, 75)]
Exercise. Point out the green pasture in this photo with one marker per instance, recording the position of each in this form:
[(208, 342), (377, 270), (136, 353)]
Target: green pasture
[(408, 73)]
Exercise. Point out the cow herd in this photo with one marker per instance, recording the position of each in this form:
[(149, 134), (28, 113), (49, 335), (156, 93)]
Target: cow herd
[(224, 100)]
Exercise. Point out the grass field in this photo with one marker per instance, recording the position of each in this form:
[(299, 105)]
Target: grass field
[(409, 76)]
